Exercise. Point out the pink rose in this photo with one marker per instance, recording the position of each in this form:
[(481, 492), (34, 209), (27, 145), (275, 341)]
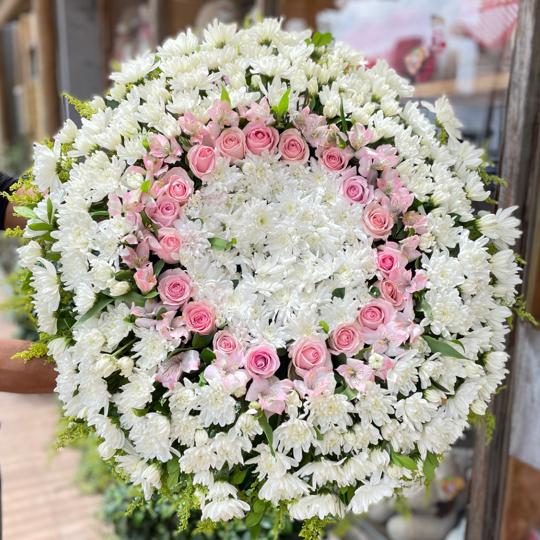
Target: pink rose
[(308, 353), (262, 361), (145, 278), (168, 248), (199, 318), (335, 159), (345, 339), (378, 220), (356, 189), (293, 147), (174, 287), (391, 292), (377, 313), (260, 138), (232, 143), (224, 342), (201, 159), (164, 211), (179, 186), (390, 258)]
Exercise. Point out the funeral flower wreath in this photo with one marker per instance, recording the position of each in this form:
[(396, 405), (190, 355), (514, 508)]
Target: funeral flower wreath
[(263, 277)]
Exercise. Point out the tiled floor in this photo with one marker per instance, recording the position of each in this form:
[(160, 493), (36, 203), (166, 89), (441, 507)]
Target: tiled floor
[(39, 498)]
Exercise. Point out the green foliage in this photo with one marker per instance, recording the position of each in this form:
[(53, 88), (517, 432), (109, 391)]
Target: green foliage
[(402, 506), (443, 134), (71, 432), (402, 460), (313, 528), (84, 108), (23, 191), (320, 39), (429, 467), (13, 232), (488, 178), (35, 350), (520, 310), (487, 421), (439, 346)]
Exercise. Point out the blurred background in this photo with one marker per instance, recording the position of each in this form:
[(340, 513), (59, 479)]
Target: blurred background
[(478, 52)]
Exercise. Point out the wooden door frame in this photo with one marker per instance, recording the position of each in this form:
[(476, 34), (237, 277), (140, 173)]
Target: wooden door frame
[(520, 166)]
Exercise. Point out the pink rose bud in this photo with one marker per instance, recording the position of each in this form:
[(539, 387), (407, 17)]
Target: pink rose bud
[(293, 147), (308, 353), (164, 211), (377, 313), (224, 342), (378, 220), (262, 361), (391, 292), (201, 159), (169, 245), (335, 159), (179, 186), (345, 338), (357, 190), (145, 278), (199, 318), (174, 287), (231, 143), (261, 138)]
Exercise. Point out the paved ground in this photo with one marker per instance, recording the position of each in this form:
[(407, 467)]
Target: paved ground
[(39, 498)]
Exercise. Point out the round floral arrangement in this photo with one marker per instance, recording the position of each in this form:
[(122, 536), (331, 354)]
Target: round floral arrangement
[(261, 274)]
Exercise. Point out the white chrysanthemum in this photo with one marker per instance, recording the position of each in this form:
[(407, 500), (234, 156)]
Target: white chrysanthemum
[(446, 116), (282, 487), (369, 494), (29, 254), (296, 435), (45, 173), (151, 436), (320, 506), (501, 227), (47, 297), (225, 509)]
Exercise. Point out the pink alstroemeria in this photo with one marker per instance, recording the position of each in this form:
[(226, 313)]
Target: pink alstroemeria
[(271, 394), (359, 136), (136, 257), (356, 374), (221, 115), (416, 221), (309, 124), (408, 247), (145, 279), (170, 371), (165, 148), (172, 327), (227, 369), (316, 382), (258, 112)]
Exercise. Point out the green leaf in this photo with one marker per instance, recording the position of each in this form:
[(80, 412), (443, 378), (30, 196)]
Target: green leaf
[(123, 275), (219, 244), (207, 355), (25, 212), (339, 293), (402, 460), (253, 519), (151, 294), (98, 307), (238, 476), (342, 115), (200, 342), (375, 292), (283, 106), (158, 267), (259, 506), (267, 428), (99, 213), (320, 39), (50, 210), (425, 307), (145, 186), (173, 473), (439, 346), (430, 465), (225, 95), (40, 226), (324, 326)]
